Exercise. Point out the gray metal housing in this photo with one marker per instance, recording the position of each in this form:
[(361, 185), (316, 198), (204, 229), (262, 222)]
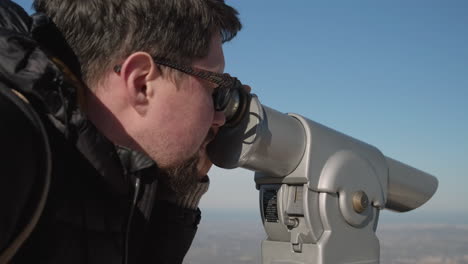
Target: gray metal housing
[(320, 191)]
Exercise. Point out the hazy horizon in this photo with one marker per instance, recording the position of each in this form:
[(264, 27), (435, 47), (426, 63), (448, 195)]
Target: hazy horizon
[(234, 236)]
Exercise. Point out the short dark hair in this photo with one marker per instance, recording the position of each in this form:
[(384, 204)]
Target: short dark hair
[(102, 32)]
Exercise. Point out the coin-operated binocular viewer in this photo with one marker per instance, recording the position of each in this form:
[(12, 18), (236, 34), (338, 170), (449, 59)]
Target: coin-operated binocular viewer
[(320, 191)]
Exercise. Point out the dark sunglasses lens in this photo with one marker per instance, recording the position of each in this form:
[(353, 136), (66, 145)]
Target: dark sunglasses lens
[(221, 98)]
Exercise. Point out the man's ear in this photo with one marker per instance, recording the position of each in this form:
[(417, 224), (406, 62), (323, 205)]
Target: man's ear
[(137, 71)]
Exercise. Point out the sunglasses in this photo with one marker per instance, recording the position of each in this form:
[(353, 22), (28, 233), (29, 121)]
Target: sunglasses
[(227, 87)]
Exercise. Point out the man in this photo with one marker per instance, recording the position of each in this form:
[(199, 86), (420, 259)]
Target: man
[(129, 161)]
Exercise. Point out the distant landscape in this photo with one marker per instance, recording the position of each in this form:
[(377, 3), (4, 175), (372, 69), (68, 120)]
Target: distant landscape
[(234, 237)]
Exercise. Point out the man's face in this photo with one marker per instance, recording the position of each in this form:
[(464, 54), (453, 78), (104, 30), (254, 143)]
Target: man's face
[(181, 119)]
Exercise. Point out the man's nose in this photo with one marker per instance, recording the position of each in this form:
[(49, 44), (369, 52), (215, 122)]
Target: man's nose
[(219, 119)]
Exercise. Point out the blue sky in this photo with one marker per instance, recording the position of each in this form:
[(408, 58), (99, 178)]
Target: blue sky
[(391, 73)]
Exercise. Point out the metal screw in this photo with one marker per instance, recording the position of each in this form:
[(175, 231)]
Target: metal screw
[(360, 201), (292, 222)]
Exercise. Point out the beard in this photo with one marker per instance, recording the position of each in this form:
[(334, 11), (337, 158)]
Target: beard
[(185, 176)]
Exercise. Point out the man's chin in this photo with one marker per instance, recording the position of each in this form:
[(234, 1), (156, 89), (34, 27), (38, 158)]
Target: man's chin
[(184, 176)]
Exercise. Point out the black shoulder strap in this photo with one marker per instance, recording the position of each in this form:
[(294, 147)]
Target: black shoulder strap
[(23, 104)]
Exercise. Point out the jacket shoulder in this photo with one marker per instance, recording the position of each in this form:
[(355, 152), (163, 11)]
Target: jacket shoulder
[(13, 17)]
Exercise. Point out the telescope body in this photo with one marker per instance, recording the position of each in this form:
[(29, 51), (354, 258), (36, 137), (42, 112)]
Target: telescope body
[(321, 191)]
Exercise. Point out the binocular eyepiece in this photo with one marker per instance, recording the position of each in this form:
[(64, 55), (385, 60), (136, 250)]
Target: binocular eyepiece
[(237, 103)]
